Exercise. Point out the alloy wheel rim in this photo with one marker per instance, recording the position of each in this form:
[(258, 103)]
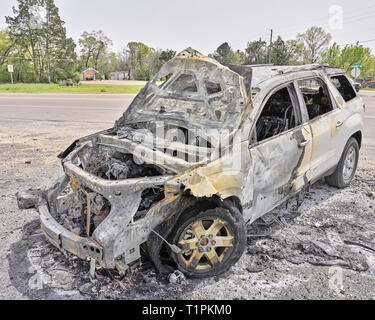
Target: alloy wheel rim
[(349, 164), (206, 243)]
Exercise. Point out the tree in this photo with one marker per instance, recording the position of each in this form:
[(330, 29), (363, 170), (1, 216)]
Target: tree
[(297, 52), (331, 55), (53, 37), (142, 62), (348, 56), (279, 52), (291, 52), (315, 40), (239, 57), (124, 61), (108, 63), (5, 45), (256, 52), (14, 54), (139, 55), (226, 55), (94, 45), (166, 55), (64, 59), (24, 29), (38, 33)]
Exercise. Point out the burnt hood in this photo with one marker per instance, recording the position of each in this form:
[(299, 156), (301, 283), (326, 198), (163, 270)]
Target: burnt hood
[(192, 91)]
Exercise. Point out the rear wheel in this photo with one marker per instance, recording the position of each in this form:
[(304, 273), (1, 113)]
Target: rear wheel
[(347, 166), (212, 242)]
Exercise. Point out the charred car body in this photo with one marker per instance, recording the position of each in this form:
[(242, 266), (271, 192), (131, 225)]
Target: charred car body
[(202, 150)]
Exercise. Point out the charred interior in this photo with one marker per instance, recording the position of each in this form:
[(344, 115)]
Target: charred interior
[(277, 116)]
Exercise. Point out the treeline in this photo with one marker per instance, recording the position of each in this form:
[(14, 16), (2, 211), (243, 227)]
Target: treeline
[(36, 44), (313, 46)]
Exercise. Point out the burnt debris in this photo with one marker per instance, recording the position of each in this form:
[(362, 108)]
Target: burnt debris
[(119, 167), (29, 199)]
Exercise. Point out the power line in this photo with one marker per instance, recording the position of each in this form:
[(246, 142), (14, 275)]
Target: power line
[(347, 19), (348, 44), (360, 18), (367, 41), (293, 33), (314, 21)]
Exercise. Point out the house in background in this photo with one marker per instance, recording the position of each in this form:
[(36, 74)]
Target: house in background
[(118, 75), (90, 74)]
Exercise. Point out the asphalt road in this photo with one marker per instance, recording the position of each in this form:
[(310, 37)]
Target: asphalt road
[(369, 119), (106, 108), (90, 108)]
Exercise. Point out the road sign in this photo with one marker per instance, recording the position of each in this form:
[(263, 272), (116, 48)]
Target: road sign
[(10, 69), (356, 72), (356, 65)]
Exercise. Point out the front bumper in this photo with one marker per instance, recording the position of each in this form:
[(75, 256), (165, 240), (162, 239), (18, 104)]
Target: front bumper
[(118, 237), (64, 239)]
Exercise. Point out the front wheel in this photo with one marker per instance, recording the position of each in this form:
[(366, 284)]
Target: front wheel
[(347, 166), (212, 242)]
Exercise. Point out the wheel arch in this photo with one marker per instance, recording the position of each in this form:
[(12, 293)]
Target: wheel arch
[(155, 243), (358, 137), (233, 204)]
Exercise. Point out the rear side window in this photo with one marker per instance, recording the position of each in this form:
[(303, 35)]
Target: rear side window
[(344, 87), (316, 96)]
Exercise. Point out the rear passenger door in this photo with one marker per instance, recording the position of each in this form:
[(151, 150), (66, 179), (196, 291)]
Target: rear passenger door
[(325, 120)]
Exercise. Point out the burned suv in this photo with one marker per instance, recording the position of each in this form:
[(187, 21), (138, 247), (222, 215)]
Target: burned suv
[(203, 150)]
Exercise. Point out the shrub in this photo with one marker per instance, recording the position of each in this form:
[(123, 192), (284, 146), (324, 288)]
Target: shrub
[(66, 83), (76, 77)]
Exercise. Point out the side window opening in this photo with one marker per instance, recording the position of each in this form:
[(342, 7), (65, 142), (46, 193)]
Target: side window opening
[(277, 116), (344, 87), (161, 82), (212, 87), (316, 96), (185, 83)]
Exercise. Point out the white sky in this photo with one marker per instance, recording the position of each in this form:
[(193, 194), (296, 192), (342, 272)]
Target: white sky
[(205, 24)]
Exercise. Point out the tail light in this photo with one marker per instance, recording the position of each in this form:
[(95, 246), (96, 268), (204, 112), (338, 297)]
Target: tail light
[(364, 108)]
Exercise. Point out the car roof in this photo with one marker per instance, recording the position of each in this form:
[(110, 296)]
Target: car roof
[(263, 72)]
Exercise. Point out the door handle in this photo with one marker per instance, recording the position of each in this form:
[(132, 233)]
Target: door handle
[(304, 143), (339, 124)]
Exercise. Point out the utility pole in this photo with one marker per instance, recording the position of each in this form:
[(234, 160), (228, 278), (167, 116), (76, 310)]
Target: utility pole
[(270, 49)]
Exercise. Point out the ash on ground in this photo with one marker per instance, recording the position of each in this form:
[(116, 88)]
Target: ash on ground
[(290, 251)]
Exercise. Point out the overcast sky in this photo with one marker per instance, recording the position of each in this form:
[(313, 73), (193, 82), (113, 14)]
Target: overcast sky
[(205, 24)]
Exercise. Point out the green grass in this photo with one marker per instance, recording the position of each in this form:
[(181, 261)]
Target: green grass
[(368, 89), (82, 88)]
